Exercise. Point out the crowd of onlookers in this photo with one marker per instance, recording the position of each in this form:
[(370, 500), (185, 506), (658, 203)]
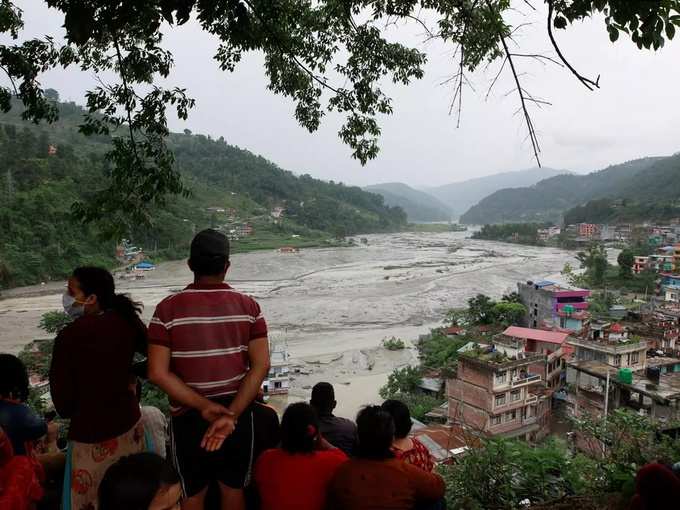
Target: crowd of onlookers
[(206, 347)]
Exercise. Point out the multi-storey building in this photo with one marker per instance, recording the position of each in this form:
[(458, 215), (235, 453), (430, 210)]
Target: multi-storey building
[(550, 304), (516, 341), (499, 395)]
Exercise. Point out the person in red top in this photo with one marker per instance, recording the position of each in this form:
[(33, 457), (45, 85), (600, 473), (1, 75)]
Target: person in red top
[(374, 479), (295, 476), (405, 448), (208, 350)]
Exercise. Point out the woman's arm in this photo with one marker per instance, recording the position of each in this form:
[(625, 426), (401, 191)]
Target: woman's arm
[(62, 387)]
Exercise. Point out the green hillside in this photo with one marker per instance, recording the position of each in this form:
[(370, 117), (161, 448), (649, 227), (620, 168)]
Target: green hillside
[(41, 240), (418, 205), (651, 195), (547, 200)]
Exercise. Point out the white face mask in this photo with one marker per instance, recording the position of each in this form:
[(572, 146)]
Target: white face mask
[(72, 307)]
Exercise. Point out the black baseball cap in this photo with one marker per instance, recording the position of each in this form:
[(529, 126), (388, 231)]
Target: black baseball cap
[(209, 243)]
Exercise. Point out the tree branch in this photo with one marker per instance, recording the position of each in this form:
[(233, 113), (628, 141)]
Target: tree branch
[(11, 80), (527, 118), (128, 105), (587, 82)]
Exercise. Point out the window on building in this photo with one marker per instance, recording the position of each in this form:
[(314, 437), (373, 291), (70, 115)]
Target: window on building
[(634, 358), (511, 416), (501, 377), (500, 400), (617, 360), (496, 420), (277, 384), (515, 395)]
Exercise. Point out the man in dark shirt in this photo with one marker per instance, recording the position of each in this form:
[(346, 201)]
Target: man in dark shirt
[(340, 432)]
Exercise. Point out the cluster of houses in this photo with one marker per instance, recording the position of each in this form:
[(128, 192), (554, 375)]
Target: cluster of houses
[(508, 384), (236, 228)]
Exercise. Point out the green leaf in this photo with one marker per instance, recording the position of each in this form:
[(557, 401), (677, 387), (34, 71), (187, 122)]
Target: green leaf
[(613, 34), (560, 22), (670, 30)]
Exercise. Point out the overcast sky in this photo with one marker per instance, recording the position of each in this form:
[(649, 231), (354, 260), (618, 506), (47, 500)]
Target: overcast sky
[(634, 114)]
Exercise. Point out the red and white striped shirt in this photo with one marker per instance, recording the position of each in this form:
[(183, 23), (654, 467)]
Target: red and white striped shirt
[(208, 329)]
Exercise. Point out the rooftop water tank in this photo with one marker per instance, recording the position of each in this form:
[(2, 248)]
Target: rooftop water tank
[(626, 375)]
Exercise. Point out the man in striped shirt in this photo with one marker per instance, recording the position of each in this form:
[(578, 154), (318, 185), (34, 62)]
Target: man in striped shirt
[(208, 350)]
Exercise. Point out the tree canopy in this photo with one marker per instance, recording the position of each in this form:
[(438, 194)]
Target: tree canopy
[(330, 55)]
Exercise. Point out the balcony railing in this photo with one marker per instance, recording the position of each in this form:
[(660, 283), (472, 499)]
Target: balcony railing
[(531, 399), (530, 378)]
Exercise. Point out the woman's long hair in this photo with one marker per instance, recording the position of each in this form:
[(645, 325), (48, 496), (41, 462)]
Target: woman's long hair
[(98, 281)]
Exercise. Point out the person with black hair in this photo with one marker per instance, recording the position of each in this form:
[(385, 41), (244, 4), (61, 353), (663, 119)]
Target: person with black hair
[(22, 425), (339, 432), (144, 481), (209, 351), (92, 361), (375, 479), (405, 448), (296, 475)]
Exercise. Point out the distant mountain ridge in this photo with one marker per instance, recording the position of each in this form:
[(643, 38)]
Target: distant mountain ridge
[(418, 205), (548, 199), (652, 194), (460, 196)]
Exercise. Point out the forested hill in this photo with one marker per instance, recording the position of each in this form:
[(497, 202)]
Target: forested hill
[(652, 195), (44, 169), (550, 198), (418, 205)]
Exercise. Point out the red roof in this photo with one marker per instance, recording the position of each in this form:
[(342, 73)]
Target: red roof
[(617, 328), (453, 330), (553, 337)]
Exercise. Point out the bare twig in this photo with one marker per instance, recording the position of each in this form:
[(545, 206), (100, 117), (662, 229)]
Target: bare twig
[(527, 118), (422, 24), (539, 58), (11, 80), (493, 82), (587, 82)]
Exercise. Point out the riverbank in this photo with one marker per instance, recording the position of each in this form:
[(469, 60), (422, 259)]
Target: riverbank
[(331, 301)]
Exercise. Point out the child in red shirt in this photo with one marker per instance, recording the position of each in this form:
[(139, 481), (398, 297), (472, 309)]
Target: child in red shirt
[(296, 476)]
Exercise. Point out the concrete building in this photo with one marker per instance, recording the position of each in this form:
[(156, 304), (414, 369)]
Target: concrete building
[(660, 329), (588, 230), (277, 381), (669, 287), (496, 395), (640, 264), (611, 344), (516, 341), (550, 304)]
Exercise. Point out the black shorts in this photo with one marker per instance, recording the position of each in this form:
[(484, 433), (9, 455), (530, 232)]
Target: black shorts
[(231, 465)]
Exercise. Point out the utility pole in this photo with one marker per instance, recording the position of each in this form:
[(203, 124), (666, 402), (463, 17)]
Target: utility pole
[(606, 398)]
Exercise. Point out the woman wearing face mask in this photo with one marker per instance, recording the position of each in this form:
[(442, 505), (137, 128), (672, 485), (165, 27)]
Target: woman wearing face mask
[(89, 381)]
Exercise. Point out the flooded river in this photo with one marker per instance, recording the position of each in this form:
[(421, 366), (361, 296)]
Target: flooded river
[(334, 306)]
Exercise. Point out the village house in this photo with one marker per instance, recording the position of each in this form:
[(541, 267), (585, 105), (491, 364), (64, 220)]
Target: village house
[(661, 330), (545, 234), (277, 381), (549, 304), (494, 394), (640, 264), (588, 230), (516, 341), (669, 287)]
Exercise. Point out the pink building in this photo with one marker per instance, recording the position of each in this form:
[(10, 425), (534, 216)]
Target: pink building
[(549, 303), (588, 230)]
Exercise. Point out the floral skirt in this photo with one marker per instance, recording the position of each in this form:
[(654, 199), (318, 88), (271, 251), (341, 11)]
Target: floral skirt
[(86, 464)]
